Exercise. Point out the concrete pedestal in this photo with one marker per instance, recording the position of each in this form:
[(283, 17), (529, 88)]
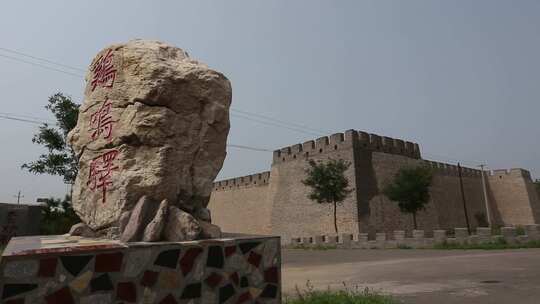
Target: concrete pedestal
[(68, 270)]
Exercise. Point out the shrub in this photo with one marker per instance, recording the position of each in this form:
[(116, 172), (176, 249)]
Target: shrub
[(520, 230), (346, 296), (498, 244)]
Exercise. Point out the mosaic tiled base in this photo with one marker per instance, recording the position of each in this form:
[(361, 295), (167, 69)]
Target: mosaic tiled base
[(62, 270)]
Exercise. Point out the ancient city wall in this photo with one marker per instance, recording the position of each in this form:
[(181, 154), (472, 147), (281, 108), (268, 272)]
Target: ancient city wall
[(280, 204), (515, 197), (292, 211), (240, 204)]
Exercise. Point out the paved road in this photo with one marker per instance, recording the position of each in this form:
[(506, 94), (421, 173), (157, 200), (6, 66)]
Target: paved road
[(422, 276)]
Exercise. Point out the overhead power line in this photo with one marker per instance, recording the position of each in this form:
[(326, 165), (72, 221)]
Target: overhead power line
[(42, 59), (41, 65), (36, 118), (249, 148), (431, 156), (280, 121), (2, 116), (21, 119), (275, 124)]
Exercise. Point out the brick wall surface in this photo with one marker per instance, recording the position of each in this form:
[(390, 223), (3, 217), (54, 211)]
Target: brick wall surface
[(514, 196), (534, 200), (242, 208)]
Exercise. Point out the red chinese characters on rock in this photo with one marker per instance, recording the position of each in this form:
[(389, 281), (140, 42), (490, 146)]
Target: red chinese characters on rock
[(103, 71), (101, 169), (101, 122)]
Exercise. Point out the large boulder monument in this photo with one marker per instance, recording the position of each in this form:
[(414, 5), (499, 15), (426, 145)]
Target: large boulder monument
[(150, 140)]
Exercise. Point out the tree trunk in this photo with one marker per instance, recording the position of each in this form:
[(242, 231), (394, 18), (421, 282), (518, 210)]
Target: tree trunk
[(71, 193), (335, 218), (414, 220)]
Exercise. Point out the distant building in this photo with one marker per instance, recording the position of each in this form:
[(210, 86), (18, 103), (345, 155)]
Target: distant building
[(275, 202), (18, 220)]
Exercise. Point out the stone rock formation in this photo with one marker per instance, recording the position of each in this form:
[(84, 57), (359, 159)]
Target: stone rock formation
[(150, 139)]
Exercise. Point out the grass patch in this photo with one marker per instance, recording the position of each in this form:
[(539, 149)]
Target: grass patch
[(315, 247), (500, 244), (365, 296)]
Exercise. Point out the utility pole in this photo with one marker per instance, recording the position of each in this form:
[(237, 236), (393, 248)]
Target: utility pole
[(18, 196), (463, 198), (486, 202)]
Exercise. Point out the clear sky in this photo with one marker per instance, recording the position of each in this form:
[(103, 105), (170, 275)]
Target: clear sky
[(461, 78)]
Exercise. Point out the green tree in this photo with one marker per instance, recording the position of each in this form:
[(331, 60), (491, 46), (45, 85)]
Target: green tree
[(60, 159), (328, 183), (410, 188), (537, 183), (57, 216)]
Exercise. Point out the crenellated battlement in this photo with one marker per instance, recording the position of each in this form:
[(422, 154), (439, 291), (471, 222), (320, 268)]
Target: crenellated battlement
[(516, 172), (452, 170), (257, 179), (347, 140)]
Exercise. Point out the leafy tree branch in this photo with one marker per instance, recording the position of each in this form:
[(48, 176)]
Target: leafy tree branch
[(60, 159)]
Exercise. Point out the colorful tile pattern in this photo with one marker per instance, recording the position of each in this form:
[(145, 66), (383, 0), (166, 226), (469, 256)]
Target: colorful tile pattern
[(224, 271)]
